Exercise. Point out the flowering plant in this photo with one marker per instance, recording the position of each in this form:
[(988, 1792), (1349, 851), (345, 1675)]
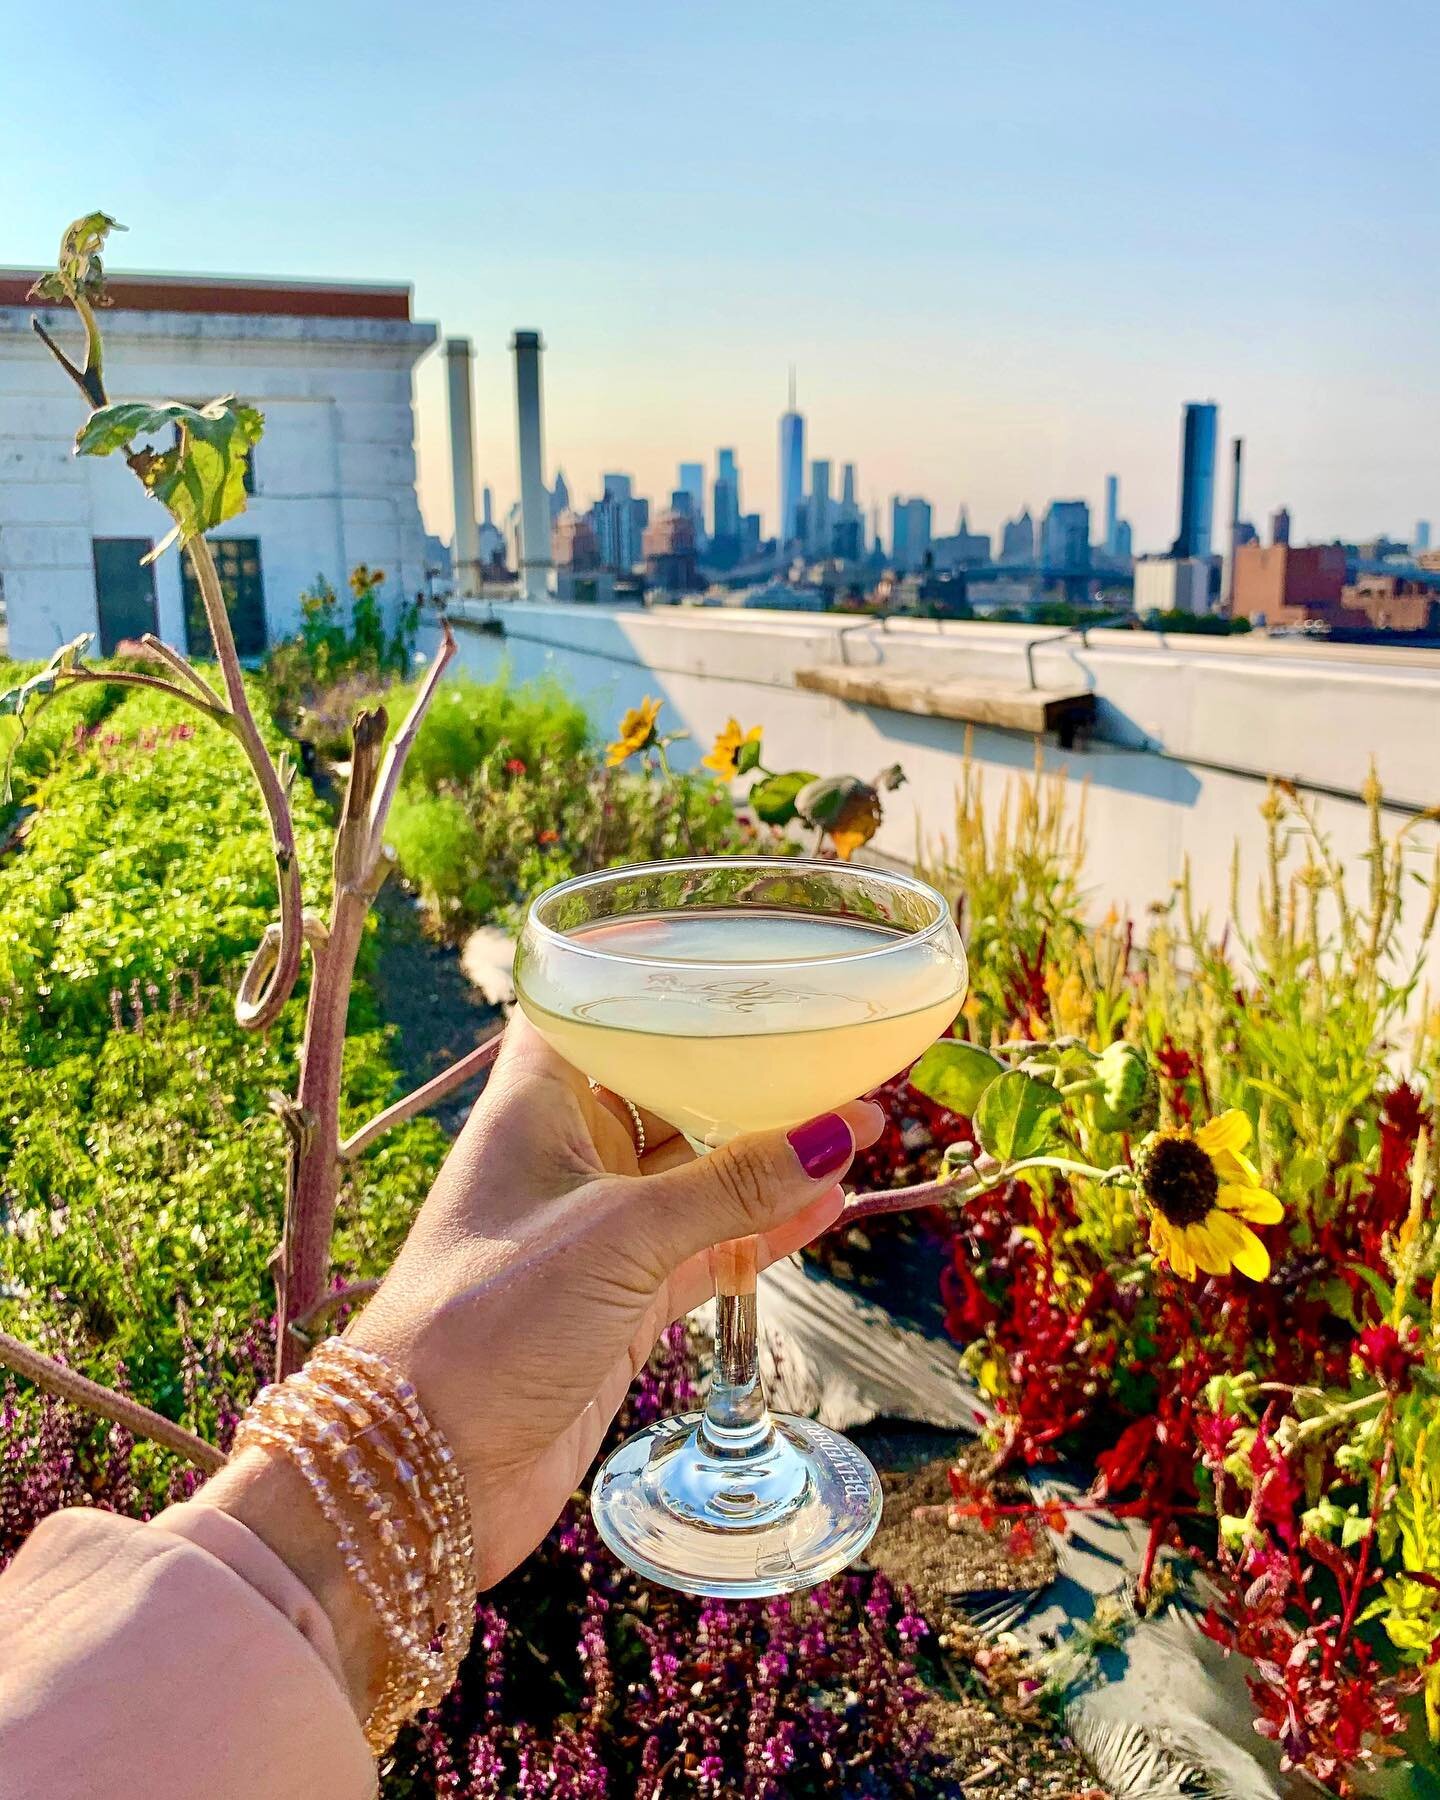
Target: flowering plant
[(1195, 1219)]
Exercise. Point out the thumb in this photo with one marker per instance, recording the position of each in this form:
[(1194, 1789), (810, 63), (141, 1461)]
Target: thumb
[(753, 1183)]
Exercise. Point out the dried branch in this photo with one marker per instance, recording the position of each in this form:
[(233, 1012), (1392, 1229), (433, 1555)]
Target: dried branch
[(399, 750), (473, 1063), (54, 1378)]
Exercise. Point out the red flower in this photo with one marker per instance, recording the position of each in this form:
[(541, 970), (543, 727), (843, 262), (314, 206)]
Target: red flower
[(548, 836), (515, 766), (1215, 1433), (1390, 1358)]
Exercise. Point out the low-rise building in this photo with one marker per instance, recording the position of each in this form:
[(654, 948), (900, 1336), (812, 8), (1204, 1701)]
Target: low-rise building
[(1285, 584), (331, 484), (1393, 603)]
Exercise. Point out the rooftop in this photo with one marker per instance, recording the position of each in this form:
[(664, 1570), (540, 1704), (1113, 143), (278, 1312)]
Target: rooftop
[(269, 297)]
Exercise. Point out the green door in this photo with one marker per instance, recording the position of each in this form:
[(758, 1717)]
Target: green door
[(238, 560), (124, 590)]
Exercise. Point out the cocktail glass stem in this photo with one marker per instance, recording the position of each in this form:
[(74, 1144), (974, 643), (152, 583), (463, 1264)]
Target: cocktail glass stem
[(737, 1420)]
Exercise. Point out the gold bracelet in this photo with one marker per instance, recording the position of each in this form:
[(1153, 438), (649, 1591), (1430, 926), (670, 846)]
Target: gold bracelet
[(388, 1485)]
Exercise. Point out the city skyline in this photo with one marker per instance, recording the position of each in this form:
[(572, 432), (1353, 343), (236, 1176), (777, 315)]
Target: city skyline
[(1013, 248)]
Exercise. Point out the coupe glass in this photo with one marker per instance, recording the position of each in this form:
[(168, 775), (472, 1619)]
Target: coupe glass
[(735, 994)]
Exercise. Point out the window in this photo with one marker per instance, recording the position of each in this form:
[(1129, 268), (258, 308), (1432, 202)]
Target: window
[(238, 560), (124, 590)]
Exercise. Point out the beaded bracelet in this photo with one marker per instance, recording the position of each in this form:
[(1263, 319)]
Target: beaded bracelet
[(388, 1485)]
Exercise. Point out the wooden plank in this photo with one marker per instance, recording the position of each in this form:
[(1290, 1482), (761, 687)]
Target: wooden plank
[(973, 700)]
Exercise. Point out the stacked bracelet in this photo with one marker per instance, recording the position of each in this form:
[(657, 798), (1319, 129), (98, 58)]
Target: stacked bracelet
[(388, 1485)]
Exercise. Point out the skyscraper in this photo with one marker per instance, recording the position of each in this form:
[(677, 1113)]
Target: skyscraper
[(1197, 479), (726, 510), (1017, 540), (820, 520), (1065, 538), (619, 520), (1422, 535), (1280, 525), (1112, 513), (909, 533), (792, 471), (691, 477)]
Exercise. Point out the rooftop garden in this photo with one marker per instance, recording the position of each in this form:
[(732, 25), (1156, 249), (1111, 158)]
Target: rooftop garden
[(1173, 1181)]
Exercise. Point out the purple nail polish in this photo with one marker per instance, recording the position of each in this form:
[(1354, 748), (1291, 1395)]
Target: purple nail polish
[(824, 1145)]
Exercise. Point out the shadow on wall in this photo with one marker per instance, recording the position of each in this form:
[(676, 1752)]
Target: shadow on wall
[(1142, 773)]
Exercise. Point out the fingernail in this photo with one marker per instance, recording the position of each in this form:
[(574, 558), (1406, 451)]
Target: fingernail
[(823, 1145)]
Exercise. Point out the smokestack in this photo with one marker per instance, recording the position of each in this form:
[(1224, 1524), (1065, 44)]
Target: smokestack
[(465, 552), (1237, 455), (535, 564)]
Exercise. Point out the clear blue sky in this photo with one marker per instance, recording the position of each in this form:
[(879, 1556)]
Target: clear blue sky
[(1002, 243)]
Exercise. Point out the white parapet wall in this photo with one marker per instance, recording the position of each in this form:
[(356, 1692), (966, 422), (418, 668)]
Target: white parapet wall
[(1187, 729)]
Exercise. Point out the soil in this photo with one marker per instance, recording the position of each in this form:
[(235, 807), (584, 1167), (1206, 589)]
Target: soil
[(992, 1751), (421, 991)]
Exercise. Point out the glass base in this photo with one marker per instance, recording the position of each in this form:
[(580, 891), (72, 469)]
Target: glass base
[(786, 1515)]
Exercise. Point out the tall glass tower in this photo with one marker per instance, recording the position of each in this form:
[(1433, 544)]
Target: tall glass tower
[(792, 472), (1197, 478)]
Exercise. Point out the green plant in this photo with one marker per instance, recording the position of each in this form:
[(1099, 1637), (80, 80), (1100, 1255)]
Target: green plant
[(318, 678), (200, 480)]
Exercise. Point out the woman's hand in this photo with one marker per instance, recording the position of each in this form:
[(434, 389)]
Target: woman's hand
[(534, 1284)]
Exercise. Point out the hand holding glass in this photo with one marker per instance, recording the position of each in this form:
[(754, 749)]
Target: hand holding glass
[(736, 994)]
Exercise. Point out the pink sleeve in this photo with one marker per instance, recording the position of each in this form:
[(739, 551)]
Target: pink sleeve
[(163, 1661)]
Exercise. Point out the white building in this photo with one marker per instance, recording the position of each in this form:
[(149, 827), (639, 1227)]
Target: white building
[(1172, 584), (330, 367)]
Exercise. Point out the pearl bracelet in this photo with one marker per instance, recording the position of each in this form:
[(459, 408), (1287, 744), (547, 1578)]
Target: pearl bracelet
[(387, 1484)]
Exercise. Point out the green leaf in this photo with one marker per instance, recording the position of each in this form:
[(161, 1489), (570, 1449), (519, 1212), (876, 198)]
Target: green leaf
[(200, 479), (1016, 1115), (774, 797), (19, 707), (747, 756), (955, 1074), (79, 270)]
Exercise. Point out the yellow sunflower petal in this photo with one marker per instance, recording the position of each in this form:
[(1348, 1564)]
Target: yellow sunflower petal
[(1251, 1203), (1240, 1244), (1207, 1245), (1231, 1131), (1169, 1245)]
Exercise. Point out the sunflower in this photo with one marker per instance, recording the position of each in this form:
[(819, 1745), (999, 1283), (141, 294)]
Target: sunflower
[(637, 732), (1199, 1191), (729, 752)]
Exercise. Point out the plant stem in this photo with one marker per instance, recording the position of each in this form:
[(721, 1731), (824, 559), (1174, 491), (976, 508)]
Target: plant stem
[(133, 678), (256, 1015), (473, 1063), (315, 1176), (54, 1378), (304, 1327)]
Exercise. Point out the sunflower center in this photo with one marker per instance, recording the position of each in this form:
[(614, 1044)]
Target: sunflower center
[(1180, 1180)]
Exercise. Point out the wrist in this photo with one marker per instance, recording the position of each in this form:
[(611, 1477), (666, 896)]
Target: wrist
[(267, 1494)]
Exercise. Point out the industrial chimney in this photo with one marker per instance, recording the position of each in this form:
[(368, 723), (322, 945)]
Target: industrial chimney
[(1237, 453), (535, 563), (465, 552)]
